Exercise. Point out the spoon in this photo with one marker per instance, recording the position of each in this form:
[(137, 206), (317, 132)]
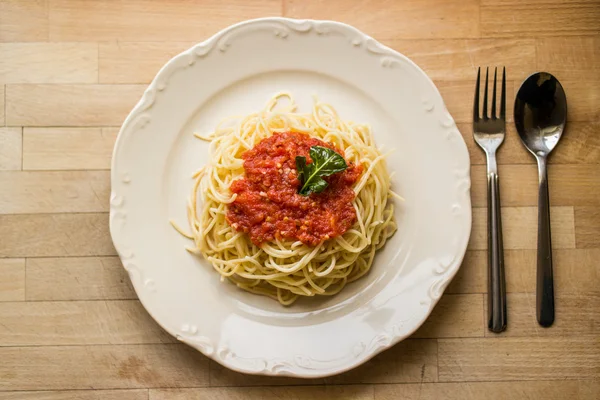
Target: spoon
[(540, 118)]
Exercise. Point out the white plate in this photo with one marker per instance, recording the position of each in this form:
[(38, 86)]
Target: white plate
[(235, 72)]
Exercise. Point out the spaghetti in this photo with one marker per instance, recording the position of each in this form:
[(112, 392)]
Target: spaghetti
[(283, 268)]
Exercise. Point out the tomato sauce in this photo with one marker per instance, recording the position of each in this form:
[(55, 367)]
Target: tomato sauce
[(268, 205)]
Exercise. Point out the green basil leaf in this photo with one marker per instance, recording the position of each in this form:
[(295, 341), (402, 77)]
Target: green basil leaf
[(300, 165), (326, 162)]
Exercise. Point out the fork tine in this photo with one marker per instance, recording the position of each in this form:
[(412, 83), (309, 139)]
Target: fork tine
[(503, 95), (476, 102), (485, 94), (494, 95)]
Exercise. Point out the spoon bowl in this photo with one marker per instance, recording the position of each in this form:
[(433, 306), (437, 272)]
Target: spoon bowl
[(541, 113), (540, 118)]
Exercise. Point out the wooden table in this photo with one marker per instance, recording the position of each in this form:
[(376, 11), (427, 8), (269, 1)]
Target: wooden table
[(70, 324)]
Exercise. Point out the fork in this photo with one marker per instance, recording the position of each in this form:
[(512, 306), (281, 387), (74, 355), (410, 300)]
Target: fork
[(489, 135)]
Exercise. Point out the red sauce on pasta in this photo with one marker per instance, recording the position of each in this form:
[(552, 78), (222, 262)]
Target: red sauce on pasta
[(268, 205)]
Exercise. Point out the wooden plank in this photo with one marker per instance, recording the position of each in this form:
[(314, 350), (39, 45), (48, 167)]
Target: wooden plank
[(536, 2), (2, 105), (580, 144), (519, 227), (42, 323), (576, 272), (411, 19), (77, 278), (584, 99), (12, 279), (412, 360), (587, 227), (576, 316), (348, 392), (27, 192), (458, 59), (454, 316), (147, 20), (101, 367), (136, 62), (569, 184), (68, 148), (48, 63), (550, 20), (130, 394), (11, 140), (547, 390), (589, 390), (458, 97), (70, 105), (55, 235), (569, 58), (23, 20), (504, 359)]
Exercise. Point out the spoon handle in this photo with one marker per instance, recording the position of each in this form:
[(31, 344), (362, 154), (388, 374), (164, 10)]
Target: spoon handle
[(496, 282), (545, 281)]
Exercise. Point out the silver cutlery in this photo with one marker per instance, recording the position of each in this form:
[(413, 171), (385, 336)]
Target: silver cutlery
[(488, 133), (540, 118)]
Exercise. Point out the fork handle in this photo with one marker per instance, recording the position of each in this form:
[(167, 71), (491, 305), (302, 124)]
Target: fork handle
[(496, 282)]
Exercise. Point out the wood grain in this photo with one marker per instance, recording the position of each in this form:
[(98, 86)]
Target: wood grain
[(55, 235), (353, 392), (458, 97), (589, 390), (584, 99), (536, 2), (552, 390), (539, 19), (77, 278), (68, 148), (48, 63), (23, 20), (576, 316), (2, 105), (147, 20), (576, 271), (519, 227), (101, 367), (129, 394), (587, 227), (412, 19), (569, 184), (78, 323), (10, 148), (454, 316), (12, 279), (580, 144), (136, 62), (458, 59), (70, 105), (569, 58), (504, 359), (412, 360), (71, 326), (54, 192)]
